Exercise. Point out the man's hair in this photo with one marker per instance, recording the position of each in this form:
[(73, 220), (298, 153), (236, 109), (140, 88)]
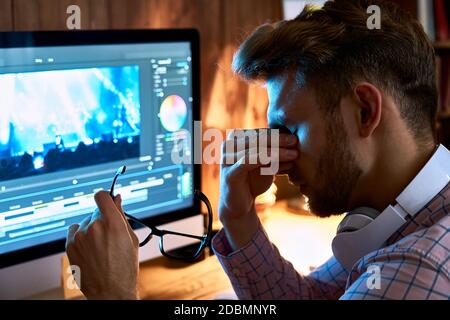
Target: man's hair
[(332, 48)]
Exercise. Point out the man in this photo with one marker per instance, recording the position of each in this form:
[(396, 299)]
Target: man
[(357, 108)]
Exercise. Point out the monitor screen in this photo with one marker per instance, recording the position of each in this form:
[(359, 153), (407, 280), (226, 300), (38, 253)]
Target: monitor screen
[(72, 114)]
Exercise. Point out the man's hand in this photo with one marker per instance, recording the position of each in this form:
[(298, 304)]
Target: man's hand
[(241, 182), (105, 249)]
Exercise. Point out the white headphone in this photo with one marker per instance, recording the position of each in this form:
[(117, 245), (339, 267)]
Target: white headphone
[(364, 230)]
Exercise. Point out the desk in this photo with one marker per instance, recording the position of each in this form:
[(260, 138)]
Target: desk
[(302, 239), (164, 279)]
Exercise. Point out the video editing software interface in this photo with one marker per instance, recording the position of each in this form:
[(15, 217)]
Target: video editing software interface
[(71, 115)]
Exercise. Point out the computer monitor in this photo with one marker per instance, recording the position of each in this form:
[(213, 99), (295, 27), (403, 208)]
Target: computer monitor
[(75, 106)]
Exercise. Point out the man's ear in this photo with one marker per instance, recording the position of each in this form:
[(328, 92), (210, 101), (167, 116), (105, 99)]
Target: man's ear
[(368, 112)]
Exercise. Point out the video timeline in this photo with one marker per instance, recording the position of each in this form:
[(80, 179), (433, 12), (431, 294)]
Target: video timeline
[(44, 211)]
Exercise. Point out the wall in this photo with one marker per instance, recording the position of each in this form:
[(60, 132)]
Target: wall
[(227, 102), (291, 8), (6, 17)]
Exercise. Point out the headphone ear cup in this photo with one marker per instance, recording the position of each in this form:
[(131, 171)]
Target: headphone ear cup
[(357, 219)]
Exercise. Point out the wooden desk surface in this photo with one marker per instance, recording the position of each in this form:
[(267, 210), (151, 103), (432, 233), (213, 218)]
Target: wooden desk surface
[(304, 240), (164, 279)]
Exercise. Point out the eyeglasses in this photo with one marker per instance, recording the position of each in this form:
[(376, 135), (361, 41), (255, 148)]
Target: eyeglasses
[(169, 238)]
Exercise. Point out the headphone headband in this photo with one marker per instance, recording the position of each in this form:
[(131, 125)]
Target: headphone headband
[(363, 230)]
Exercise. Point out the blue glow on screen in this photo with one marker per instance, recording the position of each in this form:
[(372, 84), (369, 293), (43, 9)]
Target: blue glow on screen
[(68, 105), (62, 119)]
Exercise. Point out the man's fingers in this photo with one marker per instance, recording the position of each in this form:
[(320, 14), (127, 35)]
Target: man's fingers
[(249, 160), (240, 140), (71, 233), (263, 156), (243, 166), (285, 167), (250, 156), (239, 144), (107, 207), (118, 203), (85, 223)]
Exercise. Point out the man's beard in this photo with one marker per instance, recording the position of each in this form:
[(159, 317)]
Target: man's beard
[(336, 175)]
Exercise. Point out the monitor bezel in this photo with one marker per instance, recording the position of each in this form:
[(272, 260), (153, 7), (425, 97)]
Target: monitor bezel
[(104, 37)]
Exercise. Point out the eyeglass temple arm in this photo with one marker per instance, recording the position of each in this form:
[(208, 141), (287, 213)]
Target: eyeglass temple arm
[(157, 232), (205, 200), (154, 231), (111, 190), (164, 232)]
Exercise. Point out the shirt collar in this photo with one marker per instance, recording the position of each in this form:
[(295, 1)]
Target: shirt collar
[(431, 179), (429, 186)]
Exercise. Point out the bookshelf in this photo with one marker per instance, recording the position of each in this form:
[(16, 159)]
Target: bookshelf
[(442, 45), (442, 50), (443, 115), (430, 14)]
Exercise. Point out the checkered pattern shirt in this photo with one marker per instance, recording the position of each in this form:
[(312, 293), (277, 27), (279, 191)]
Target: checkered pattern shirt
[(414, 264)]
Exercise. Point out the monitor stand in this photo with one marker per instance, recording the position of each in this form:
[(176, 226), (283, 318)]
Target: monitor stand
[(28, 279)]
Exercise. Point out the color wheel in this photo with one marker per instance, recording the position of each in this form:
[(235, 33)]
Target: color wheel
[(173, 113)]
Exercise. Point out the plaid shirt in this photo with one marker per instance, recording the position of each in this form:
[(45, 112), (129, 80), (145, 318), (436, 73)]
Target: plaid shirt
[(415, 264)]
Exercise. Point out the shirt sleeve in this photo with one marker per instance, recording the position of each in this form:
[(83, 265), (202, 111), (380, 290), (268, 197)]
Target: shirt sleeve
[(257, 271), (399, 275)]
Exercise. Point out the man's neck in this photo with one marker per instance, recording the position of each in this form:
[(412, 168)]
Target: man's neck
[(396, 168)]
